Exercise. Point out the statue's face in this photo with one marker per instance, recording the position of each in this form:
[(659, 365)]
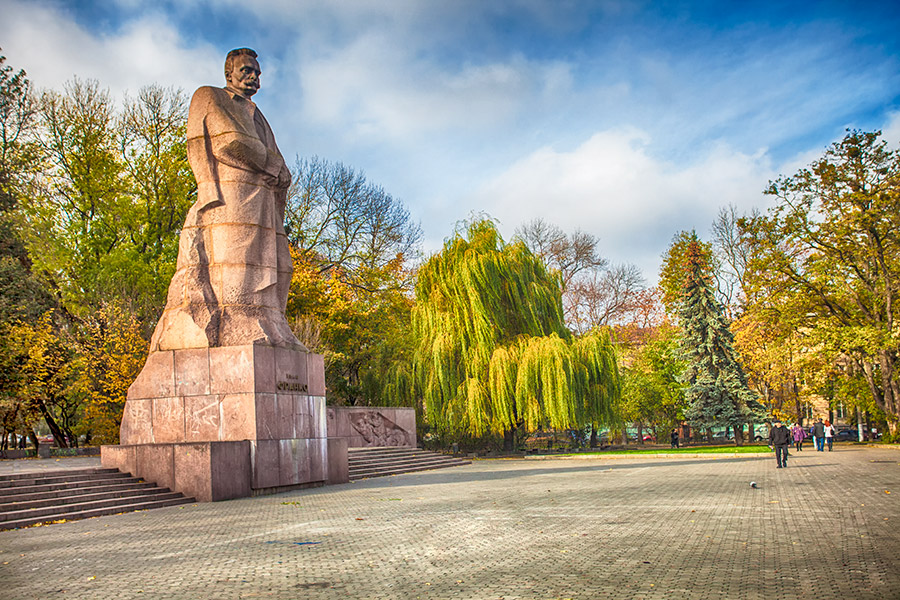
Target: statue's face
[(245, 75)]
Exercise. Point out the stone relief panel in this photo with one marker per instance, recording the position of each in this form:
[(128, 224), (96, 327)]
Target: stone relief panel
[(378, 430)]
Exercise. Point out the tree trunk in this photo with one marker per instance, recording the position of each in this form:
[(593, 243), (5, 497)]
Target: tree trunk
[(593, 442), (885, 392), (58, 434), (892, 393), (509, 440), (750, 435), (640, 428), (739, 435)]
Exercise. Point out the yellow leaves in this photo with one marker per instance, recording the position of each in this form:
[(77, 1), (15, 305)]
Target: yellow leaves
[(476, 406), (684, 248), (502, 383), (359, 321), (111, 357), (36, 364)]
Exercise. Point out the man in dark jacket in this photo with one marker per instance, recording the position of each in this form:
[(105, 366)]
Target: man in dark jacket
[(818, 431), (780, 438)]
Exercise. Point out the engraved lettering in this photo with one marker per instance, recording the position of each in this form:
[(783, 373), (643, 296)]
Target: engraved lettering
[(287, 386)]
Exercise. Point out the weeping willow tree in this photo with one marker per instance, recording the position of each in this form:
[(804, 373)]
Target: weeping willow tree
[(493, 354)]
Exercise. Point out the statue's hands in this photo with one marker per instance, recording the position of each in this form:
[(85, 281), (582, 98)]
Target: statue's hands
[(271, 181), (284, 178), (282, 181)]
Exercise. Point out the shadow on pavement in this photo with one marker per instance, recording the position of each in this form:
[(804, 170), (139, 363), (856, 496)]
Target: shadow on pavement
[(462, 474)]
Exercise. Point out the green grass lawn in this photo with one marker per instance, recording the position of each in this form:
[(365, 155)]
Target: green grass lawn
[(688, 450)]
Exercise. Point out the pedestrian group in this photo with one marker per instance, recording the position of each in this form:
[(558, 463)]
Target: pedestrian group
[(780, 438)]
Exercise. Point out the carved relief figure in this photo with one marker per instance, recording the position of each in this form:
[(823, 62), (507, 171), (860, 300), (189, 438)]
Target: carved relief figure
[(376, 430), (234, 266)]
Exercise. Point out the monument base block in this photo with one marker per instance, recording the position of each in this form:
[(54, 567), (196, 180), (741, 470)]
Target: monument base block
[(229, 422), (338, 461), (207, 471)]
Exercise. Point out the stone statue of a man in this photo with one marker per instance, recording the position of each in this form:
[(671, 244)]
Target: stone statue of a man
[(234, 267)]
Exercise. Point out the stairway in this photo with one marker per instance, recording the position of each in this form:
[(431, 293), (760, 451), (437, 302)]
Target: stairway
[(383, 461), (32, 498)]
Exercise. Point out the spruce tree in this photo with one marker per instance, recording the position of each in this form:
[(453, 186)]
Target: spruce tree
[(717, 394)]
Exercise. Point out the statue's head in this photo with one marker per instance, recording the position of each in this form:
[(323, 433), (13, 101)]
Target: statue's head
[(242, 71)]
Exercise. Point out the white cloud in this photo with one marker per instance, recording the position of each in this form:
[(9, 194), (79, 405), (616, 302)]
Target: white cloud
[(53, 49), (377, 87), (891, 130), (612, 187)]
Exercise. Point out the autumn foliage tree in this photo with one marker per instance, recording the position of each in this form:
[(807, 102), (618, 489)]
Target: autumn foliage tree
[(111, 350), (36, 378), (828, 257), (93, 196), (361, 332), (652, 392), (110, 198), (350, 298)]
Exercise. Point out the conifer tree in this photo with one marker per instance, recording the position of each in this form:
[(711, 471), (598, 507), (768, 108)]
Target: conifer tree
[(717, 394), (493, 353)]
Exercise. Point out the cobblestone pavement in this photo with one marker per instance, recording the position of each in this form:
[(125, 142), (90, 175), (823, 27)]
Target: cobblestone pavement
[(828, 526)]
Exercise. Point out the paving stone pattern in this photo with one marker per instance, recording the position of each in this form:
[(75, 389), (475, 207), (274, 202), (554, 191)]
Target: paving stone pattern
[(640, 528)]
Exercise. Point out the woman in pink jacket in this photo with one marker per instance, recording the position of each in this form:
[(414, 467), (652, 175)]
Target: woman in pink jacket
[(798, 434)]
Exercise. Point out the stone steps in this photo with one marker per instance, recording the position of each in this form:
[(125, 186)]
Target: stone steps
[(16, 481), (61, 497), (402, 462), (381, 462), (60, 487), (33, 498), (129, 484)]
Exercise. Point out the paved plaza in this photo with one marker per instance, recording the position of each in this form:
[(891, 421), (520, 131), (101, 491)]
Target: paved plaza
[(828, 526)]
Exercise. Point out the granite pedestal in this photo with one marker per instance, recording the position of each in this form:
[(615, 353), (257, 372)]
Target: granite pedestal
[(227, 422)]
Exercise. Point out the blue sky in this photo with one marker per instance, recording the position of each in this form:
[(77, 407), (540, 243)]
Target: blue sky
[(628, 120)]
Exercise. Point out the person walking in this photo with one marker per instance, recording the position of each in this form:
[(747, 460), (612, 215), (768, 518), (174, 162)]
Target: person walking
[(674, 438), (819, 435), (829, 434), (780, 439), (798, 434)]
